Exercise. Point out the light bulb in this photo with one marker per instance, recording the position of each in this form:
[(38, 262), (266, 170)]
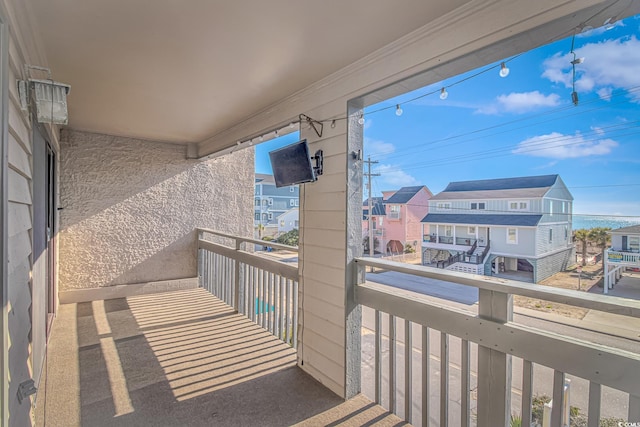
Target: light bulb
[(577, 61), (504, 71), (333, 124), (398, 110), (361, 120), (292, 125), (443, 94)]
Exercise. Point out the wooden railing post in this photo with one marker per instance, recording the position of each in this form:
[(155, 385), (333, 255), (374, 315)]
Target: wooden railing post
[(236, 279), (494, 367)]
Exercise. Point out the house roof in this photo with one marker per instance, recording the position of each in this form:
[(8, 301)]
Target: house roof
[(502, 188), (503, 183), (632, 229), (524, 193), (404, 194), (513, 220), (377, 206), (265, 178)]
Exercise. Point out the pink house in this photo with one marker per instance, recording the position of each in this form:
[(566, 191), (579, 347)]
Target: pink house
[(404, 210)]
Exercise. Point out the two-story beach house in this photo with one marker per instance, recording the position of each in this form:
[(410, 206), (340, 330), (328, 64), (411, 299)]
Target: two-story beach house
[(510, 227), (403, 211), (271, 202), (378, 216)]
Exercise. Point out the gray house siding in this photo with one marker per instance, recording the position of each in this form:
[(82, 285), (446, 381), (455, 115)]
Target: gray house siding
[(560, 237), (547, 266), (524, 247)]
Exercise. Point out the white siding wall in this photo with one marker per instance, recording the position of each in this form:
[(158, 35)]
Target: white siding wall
[(26, 295), (323, 252)]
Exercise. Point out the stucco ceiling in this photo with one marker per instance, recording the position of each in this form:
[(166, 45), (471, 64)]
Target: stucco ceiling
[(182, 71)]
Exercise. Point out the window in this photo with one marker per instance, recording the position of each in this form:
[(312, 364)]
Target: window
[(512, 236), (257, 217), (291, 202), (471, 230), (551, 235), (633, 242), (443, 205), (394, 211), (448, 231), (474, 206), (257, 202), (380, 221), (519, 205), (265, 217), (296, 202), (550, 207), (481, 205), (566, 232), (477, 206)]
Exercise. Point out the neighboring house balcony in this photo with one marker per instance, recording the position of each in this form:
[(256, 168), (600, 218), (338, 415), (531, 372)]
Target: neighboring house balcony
[(226, 350)]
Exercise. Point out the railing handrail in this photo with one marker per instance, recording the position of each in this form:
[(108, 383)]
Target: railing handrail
[(273, 266), (610, 304), (239, 239), (615, 368)]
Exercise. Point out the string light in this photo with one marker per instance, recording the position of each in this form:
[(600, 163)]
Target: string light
[(398, 110), (444, 94), (333, 124), (292, 125), (504, 71), (361, 119)]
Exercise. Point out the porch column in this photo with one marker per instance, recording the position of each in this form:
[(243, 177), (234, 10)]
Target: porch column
[(330, 238), (494, 367)]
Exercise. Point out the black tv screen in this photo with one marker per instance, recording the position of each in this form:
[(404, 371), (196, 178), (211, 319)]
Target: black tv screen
[(292, 164)]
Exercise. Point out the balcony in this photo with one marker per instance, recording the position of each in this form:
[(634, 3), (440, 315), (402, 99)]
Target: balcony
[(225, 353), (460, 244)]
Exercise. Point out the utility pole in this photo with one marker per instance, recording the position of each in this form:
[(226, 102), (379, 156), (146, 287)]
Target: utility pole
[(370, 216)]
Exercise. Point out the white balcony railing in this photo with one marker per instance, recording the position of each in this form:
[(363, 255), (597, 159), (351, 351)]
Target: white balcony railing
[(623, 258), (264, 290), (474, 380), (490, 341)]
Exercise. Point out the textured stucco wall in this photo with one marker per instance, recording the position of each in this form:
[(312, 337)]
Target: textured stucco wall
[(130, 208)]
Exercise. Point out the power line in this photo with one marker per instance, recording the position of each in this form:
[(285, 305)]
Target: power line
[(411, 150)]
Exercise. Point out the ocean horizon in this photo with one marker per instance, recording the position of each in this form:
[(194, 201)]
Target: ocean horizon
[(613, 222)]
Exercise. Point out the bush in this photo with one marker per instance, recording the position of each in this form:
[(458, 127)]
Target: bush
[(289, 238)]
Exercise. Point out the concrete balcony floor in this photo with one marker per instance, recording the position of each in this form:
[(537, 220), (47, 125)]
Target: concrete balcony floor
[(181, 359)]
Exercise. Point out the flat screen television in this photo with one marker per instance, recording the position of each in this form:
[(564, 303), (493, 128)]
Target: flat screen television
[(292, 164)]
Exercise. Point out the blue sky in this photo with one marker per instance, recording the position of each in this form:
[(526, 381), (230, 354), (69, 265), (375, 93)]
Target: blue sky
[(523, 124)]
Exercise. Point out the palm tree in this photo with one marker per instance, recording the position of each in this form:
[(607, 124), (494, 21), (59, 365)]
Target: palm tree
[(601, 238), (582, 236)]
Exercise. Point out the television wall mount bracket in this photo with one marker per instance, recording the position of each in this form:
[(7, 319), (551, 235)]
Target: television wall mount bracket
[(315, 125), (319, 162)]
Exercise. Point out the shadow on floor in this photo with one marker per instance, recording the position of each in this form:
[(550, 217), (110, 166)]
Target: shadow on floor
[(182, 359)]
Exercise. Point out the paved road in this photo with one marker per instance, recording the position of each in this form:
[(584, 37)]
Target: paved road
[(459, 296)]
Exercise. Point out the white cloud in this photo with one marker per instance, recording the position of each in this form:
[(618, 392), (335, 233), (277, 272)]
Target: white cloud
[(395, 177), (558, 146), (520, 102), (605, 93), (374, 147), (608, 65)]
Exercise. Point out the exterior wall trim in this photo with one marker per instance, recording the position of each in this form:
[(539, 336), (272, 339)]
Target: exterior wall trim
[(123, 291), (4, 225), (544, 255)]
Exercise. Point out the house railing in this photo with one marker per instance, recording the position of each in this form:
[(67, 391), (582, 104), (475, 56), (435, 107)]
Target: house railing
[(490, 341), (478, 259), (429, 238), (622, 257), (445, 239), (263, 289), (465, 241)]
